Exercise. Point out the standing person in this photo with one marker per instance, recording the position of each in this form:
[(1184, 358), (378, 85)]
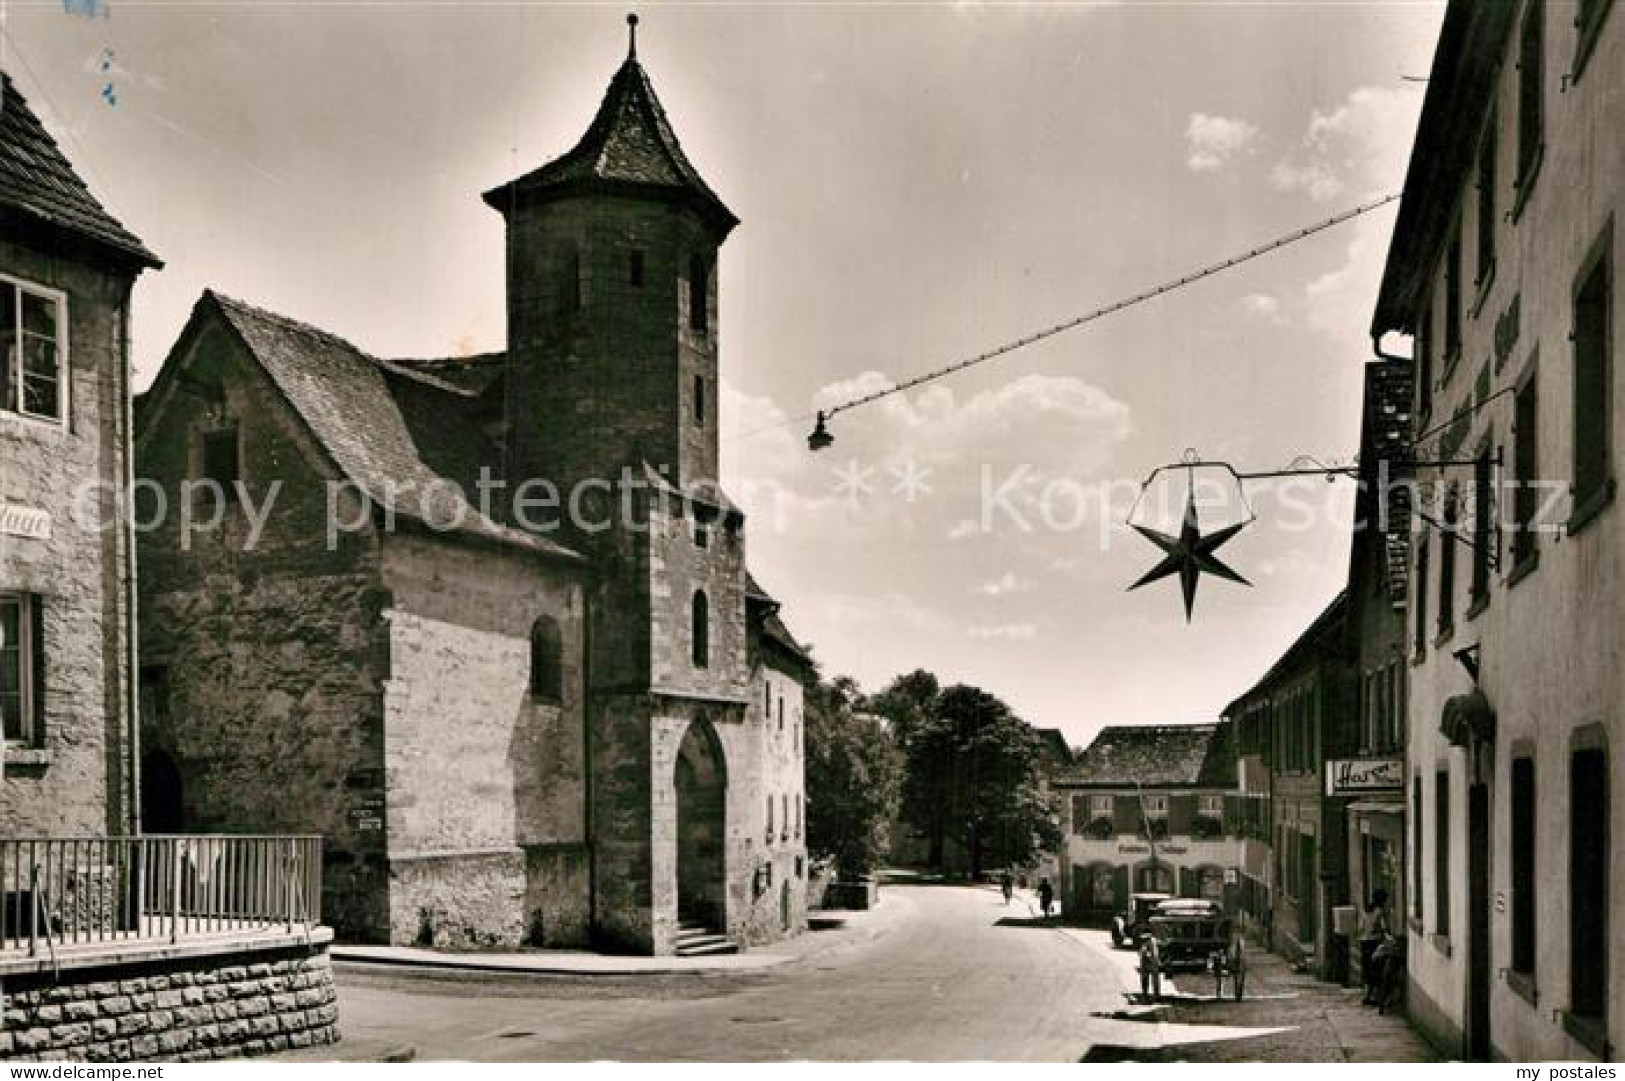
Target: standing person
[(1046, 894), (1373, 932), (1007, 884)]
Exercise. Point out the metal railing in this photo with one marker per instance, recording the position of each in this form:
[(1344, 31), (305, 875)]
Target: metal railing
[(64, 892)]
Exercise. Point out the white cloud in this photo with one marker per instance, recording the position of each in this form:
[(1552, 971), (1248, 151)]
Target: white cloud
[(1211, 141), (1360, 146), (1263, 306), (1005, 585)]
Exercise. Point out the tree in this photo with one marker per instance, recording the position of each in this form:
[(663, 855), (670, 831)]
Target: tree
[(971, 774), (854, 773)]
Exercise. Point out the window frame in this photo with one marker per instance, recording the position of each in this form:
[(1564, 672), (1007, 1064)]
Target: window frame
[(546, 677), (1531, 92), (1599, 492), (30, 660), (1441, 853), (699, 293), (1523, 860), (1590, 1027), (1588, 27), (1487, 220), (64, 370), (1525, 470)]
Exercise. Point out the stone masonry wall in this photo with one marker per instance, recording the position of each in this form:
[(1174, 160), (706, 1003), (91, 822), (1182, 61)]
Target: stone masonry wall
[(265, 661), (478, 769), (774, 905), (186, 1010), (74, 782)]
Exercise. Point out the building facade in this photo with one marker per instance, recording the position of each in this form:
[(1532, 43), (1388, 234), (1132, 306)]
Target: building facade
[(1144, 809), (1503, 270), (1368, 766), (565, 715), (67, 269), (1290, 723)]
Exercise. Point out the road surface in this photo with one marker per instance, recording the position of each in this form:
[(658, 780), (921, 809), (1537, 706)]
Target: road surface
[(938, 973)]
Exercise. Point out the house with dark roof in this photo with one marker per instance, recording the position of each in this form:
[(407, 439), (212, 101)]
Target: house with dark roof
[(1144, 809), (92, 906), (485, 622), (67, 268)]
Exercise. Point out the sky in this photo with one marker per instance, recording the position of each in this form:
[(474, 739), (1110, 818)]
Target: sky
[(917, 183)]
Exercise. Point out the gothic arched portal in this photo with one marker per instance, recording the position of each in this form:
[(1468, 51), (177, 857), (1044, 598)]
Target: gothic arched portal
[(702, 785)]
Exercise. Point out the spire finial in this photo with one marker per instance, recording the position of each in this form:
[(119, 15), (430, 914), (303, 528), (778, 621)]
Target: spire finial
[(632, 35)]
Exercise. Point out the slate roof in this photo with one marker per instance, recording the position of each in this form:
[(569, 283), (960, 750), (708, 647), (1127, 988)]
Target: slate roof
[(772, 625), (472, 375), (630, 146), (1158, 756), (37, 180), (387, 431)]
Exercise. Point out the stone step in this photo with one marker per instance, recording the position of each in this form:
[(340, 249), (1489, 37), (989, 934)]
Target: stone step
[(705, 946)]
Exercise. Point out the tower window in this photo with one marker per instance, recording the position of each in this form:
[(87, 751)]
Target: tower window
[(699, 400), (570, 293), (546, 660), (699, 276), (635, 268), (700, 616)]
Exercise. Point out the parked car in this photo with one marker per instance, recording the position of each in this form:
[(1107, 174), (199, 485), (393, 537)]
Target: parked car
[(1189, 932), (1136, 921)]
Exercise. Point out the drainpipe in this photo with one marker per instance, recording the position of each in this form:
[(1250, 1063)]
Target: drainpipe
[(126, 504)]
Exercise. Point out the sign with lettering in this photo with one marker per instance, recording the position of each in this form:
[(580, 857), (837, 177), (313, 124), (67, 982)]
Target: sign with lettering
[(1353, 776), (19, 521)]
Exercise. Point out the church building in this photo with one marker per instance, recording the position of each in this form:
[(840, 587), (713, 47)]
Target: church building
[(485, 623)]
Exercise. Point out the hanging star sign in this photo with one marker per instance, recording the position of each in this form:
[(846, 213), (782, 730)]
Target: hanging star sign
[(1190, 555)]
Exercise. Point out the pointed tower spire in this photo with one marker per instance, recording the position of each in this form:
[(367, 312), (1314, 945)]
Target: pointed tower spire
[(629, 147)]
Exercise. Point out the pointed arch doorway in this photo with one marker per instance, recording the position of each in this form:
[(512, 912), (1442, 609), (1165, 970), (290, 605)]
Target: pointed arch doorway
[(702, 785)]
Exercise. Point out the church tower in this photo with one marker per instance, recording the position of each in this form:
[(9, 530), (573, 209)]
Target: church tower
[(612, 373), (612, 305)]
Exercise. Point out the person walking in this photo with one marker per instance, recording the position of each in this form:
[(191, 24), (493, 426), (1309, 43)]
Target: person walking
[(1046, 895), (1374, 932), (1007, 884)]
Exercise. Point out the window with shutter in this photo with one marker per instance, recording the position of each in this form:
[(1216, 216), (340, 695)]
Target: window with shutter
[(1592, 385)]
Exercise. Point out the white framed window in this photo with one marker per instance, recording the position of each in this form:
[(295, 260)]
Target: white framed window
[(1100, 807), (33, 350), (20, 669), (1210, 806), (1155, 806)]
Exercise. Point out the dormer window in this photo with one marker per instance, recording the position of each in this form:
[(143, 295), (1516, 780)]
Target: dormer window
[(33, 331)]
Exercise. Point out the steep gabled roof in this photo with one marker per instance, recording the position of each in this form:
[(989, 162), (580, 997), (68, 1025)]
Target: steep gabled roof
[(399, 439), (36, 180), (1325, 633), (1157, 756), (630, 147)]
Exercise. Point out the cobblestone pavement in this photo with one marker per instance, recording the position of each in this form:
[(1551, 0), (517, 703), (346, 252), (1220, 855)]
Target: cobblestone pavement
[(937, 973), (1313, 1021)]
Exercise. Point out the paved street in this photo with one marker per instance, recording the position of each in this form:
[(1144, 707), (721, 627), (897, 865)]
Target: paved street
[(936, 973)]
